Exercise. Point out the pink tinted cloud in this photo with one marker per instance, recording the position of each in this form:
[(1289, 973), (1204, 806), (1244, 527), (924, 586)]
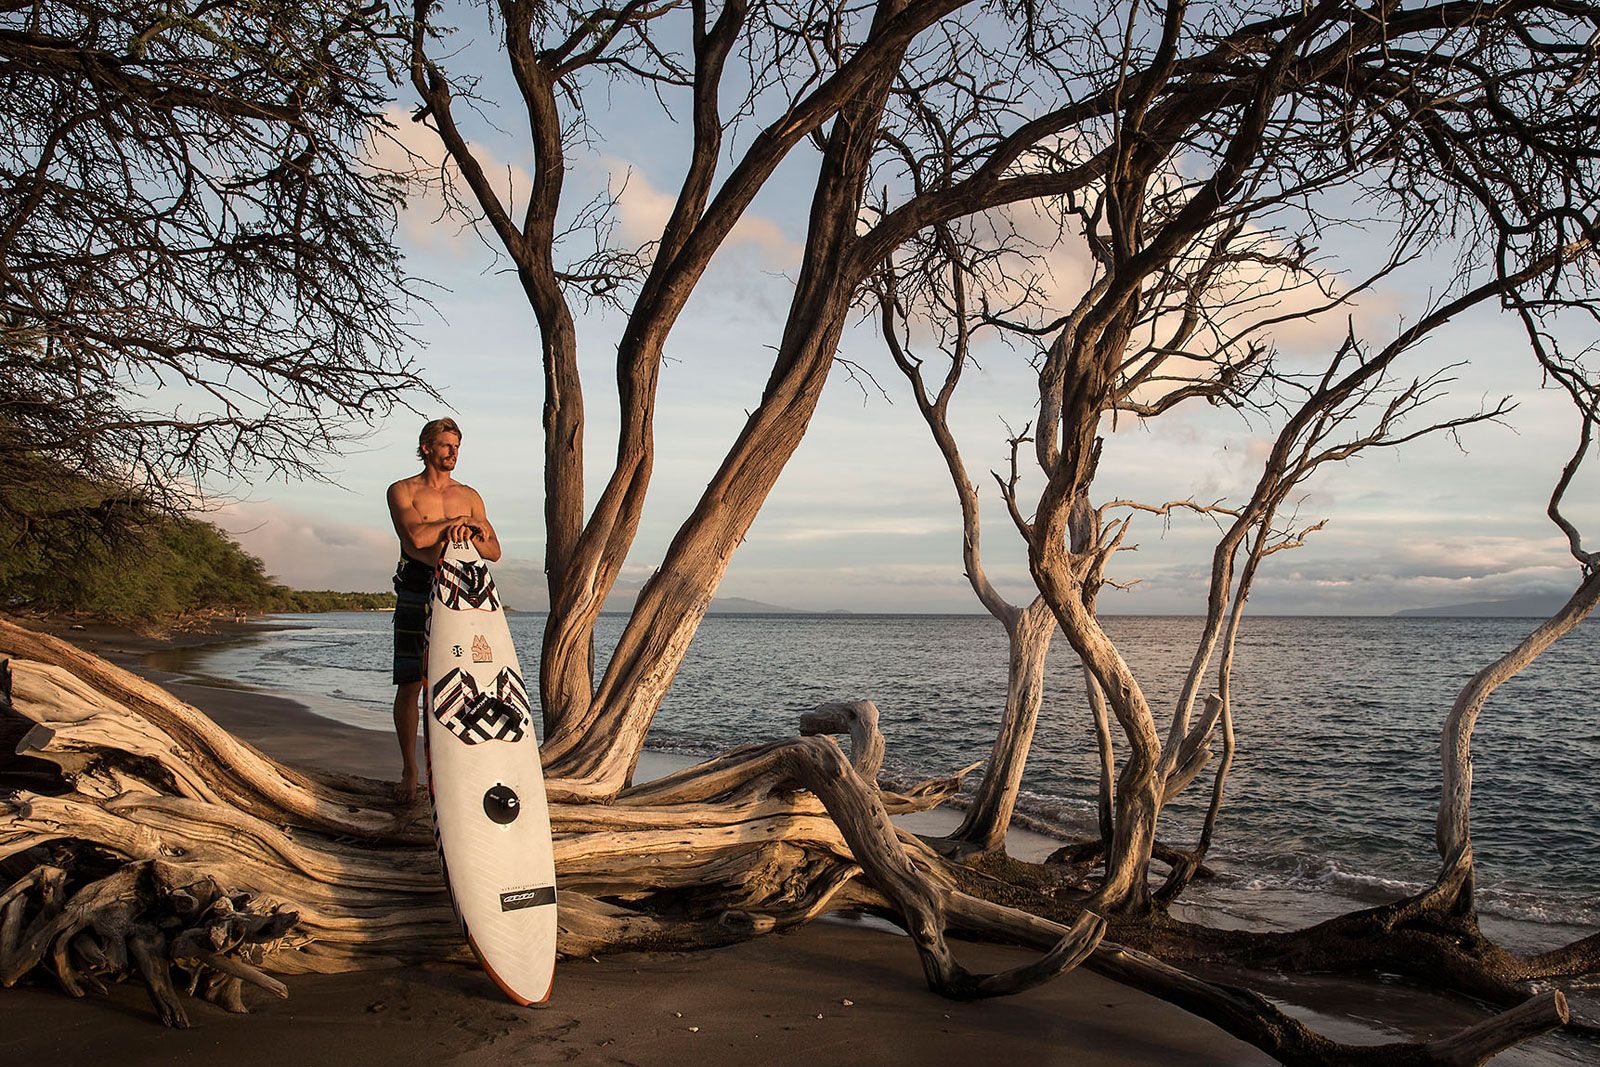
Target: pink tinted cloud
[(308, 552)]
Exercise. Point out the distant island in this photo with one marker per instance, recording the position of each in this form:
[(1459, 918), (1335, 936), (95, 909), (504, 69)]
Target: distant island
[(738, 605), (1528, 606)]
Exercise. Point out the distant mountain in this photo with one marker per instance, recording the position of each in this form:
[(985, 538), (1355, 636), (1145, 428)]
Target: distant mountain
[(522, 587), (1532, 605), (738, 605)]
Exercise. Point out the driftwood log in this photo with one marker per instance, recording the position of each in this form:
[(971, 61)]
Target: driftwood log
[(139, 839), (758, 839)]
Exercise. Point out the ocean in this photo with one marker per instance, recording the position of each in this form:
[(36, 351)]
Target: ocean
[(1334, 789)]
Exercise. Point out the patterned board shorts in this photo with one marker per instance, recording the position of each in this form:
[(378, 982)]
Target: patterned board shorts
[(413, 583)]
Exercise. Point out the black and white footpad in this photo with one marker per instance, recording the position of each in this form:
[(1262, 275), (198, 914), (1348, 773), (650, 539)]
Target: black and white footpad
[(466, 585), (474, 716)]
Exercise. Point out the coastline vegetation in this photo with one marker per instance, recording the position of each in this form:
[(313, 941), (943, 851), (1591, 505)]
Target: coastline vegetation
[(202, 279), (74, 545)]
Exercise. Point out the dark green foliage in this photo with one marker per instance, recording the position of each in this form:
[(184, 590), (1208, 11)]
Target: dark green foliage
[(329, 600), (72, 545)]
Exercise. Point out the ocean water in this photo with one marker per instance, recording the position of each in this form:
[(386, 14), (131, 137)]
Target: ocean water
[(1335, 784)]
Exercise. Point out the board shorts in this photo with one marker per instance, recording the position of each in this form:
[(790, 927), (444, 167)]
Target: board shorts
[(413, 588)]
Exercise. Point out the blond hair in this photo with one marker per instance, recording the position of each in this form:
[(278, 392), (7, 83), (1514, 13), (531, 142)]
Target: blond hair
[(432, 430)]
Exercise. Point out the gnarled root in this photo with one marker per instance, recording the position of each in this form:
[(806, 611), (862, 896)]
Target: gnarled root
[(1252, 1018), (143, 918), (1433, 935), (920, 897), (719, 853), (1081, 857), (117, 861)]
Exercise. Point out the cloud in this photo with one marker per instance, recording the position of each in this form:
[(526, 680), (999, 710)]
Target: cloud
[(643, 211), (841, 527), (522, 585), (440, 211), (1452, 559), (1367, 574), (308, 552)]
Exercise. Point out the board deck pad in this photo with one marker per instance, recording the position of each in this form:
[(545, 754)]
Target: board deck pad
[(485, 781)]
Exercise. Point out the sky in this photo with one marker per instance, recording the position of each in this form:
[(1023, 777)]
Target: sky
[(864, 518)]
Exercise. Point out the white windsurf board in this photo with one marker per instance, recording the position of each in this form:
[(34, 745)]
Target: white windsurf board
[(486, 783)]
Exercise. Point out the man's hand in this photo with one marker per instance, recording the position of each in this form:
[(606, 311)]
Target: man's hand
[(463, 528)]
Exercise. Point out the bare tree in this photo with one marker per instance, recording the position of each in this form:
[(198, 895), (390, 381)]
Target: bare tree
[(1028, 629), (1435, 933), (1151, 331), (1160, 127), (197, 271)]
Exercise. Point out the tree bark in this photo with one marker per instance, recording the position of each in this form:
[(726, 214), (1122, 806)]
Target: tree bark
[(1105, 791), (1125, 887), (983, 828), (596, 752), (1453, 837), (290, 872)]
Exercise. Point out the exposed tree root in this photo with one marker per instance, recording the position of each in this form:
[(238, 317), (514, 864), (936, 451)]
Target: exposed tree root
[(1432, 937), (197, 856), (1252, 1018), (144, 918), (744, 844), (1082, 857)]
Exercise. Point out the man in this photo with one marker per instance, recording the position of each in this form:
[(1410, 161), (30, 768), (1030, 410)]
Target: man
[(429, 510)]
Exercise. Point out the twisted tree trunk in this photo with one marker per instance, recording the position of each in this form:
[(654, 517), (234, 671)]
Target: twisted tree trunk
[(983, 827), (761, 838), (144, 840)]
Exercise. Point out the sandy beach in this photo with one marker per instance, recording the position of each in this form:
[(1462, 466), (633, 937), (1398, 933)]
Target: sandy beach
[(836, 991), (779, 1000)]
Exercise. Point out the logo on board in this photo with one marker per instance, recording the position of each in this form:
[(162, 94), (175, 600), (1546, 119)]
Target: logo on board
[(518, 899), (481, 652)]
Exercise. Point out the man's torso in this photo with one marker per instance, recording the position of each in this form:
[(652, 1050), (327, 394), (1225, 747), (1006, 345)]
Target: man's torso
[(433, 504)]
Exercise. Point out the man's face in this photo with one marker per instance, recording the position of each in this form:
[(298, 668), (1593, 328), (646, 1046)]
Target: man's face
[(441, 452)]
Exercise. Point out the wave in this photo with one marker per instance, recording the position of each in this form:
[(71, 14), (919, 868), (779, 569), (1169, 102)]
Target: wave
[(683, 746), (1284, 829)]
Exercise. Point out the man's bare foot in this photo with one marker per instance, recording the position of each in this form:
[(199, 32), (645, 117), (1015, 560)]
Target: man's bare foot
[(405, 790)]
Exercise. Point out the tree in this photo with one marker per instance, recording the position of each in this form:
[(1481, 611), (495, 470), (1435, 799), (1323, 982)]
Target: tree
[(1185, 144), (1162, 127), (197, 271), (1152, 329)]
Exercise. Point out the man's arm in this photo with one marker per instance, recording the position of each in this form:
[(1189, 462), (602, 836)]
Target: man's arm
[(422, 538), (483, 534)]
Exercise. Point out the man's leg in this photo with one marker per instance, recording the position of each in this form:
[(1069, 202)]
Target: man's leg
[(410, 650), (405, 728)]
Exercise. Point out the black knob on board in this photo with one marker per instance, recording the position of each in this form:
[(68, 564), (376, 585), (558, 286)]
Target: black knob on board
[(501, 804)]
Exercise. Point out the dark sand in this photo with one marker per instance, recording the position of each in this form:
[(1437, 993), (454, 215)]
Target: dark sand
[(756, 1003)]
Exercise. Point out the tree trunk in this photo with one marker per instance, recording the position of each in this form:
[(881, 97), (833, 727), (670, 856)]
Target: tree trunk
[(160, 815), (1125, 888), (1453, 837), (1105, 791), (595, 752), (983, 828)]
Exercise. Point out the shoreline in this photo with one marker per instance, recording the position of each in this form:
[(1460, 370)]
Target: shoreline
[(774, 1000), (1091, 1020), (1241, 898)]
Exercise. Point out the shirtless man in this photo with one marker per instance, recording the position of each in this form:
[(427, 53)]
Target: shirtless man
[(429, 510)]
